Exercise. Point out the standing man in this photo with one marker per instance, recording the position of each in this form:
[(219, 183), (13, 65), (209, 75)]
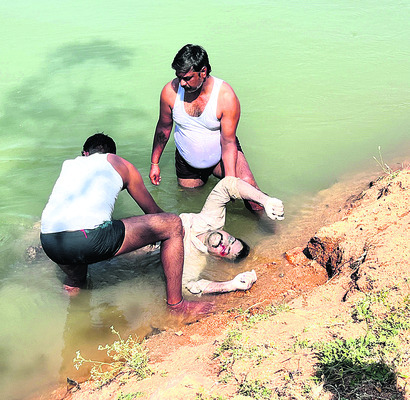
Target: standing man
[(206, 113), (77, 228)]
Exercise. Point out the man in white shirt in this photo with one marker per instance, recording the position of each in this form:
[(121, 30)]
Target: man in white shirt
[(204, 235)]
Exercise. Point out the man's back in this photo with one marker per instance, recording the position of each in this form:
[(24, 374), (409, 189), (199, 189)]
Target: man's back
[(83, 196)]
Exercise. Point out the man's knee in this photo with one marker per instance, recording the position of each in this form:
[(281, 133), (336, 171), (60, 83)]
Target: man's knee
[(174, 224), (190, 183)]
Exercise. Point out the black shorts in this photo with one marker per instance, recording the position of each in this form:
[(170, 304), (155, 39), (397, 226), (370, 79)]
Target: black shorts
[(186, 171), (86, 246), (74, 250)]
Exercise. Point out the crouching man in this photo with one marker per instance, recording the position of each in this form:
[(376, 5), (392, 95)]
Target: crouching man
[(77, 228)]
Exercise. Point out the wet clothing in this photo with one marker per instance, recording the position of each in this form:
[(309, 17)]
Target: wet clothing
[(198, 139), (85, 246), (211, 217), (83, 196), (186, 171)]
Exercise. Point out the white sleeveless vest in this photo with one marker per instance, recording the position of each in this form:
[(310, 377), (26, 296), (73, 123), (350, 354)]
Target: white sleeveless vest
[(198, 139), (83, 196)]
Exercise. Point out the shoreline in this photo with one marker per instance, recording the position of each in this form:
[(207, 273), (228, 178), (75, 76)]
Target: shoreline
[(197, 372)]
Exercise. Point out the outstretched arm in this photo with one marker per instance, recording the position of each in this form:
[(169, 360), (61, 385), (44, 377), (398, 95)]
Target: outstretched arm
[(242, 281), (234, 188)]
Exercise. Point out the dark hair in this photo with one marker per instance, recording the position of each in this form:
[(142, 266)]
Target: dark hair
[(243, 253), (99, 143), (191, 56)]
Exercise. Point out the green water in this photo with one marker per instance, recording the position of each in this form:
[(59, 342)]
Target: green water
[(322, 84)]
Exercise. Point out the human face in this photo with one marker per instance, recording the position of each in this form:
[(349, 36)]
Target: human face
[(191, 81), (222, 244)]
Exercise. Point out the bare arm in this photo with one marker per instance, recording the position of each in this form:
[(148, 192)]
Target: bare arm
[(134, 184), (162, 130), (229, 111)]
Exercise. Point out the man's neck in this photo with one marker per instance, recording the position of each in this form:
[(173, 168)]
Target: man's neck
[(189, 97)]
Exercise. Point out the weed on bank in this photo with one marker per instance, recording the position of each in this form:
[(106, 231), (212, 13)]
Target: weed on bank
[(127, 358)]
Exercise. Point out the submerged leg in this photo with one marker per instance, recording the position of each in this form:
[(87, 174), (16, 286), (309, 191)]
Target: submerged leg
[(166, 228), (76, 277)]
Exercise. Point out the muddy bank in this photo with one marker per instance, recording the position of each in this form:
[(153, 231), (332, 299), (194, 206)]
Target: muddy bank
[(363, 248)]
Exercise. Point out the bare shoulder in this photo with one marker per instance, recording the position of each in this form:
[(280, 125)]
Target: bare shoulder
[(170, 91), (228, 101), (126, 169), (119, 163), (115, 159), (227, 96)]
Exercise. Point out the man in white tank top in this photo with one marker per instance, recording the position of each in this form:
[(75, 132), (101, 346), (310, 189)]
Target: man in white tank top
[(206, 113), (77, 228)]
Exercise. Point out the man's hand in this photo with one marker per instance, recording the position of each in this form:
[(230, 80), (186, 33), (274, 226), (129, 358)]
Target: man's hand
[(274, 209), (155, 175), (245, 280)]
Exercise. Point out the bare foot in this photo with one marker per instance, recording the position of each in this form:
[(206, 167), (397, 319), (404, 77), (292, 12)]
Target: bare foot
[(187, 308), (71, 290)]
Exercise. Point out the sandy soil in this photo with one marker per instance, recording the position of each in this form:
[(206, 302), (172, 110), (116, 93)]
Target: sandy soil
[(363, 248)]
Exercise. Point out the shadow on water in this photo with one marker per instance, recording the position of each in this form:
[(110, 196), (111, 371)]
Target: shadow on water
[(97, 50), (78, 87)]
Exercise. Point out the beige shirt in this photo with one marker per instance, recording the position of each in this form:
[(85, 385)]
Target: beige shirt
[(211, 217)]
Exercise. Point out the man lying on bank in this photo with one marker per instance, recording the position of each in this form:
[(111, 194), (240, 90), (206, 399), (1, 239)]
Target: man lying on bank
[(77, 228), (204, 235)]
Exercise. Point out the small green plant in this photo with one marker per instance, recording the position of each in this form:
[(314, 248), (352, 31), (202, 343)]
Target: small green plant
[(201, 396), (255, 389), (234, 348), (128, 358), (306, 388), (130, 396), (300, 344), (362, 311), (386, 169), (267, 313), (231, 342), (351, 361)]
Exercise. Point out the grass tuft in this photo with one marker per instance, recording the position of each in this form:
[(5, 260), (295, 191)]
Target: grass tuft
[(255, 390), (128, 358)]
